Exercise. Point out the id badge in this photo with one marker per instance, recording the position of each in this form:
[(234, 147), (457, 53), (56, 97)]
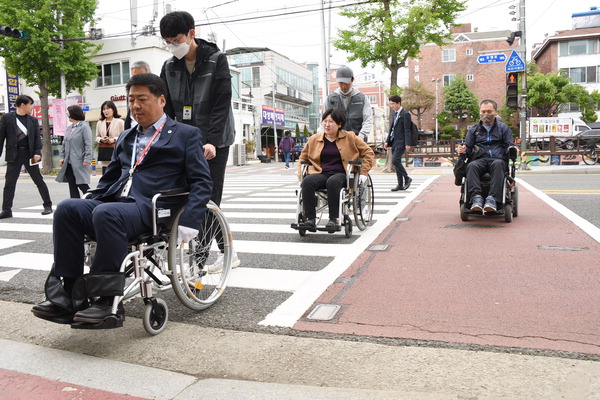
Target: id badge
[(187, 113), (126, 188)]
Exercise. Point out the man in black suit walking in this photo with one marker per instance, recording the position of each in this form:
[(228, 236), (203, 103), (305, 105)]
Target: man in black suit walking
[(399, 139), (21, 132), (158, 154)]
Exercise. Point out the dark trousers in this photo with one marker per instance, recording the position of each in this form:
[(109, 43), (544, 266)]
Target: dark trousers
[(112, 225), (476, 168), (333, 182), (73, 186), (401, 174), (217, 173), (13, 169)]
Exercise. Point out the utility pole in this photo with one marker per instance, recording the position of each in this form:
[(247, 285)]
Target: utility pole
[(436, 80), (523, 105), (275, 143)]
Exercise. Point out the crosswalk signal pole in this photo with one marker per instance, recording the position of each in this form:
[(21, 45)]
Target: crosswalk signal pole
[(523, 97)]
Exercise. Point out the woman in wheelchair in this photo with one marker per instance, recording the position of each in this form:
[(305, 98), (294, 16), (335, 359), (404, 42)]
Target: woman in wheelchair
[(329, 153)]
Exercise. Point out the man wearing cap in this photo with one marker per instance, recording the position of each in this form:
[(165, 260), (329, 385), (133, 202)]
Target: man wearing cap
[(352, 102)]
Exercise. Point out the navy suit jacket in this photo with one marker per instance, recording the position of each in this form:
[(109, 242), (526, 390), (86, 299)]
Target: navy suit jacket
[(402, 131), (8, 133), (175, 160)]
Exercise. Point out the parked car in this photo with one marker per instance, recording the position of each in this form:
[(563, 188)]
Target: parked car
[(299, 143), (580, 139)]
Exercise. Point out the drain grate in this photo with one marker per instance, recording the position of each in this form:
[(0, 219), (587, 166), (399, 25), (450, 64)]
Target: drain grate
[(324, 312), (562, 248), (463, 226), (379, 247)]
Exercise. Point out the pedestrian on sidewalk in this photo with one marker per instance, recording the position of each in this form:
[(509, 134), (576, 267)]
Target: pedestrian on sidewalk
[(493, 138), (199, 94), (108, 130), (21, 132), (286, 144), (399, 140), (76, 153)]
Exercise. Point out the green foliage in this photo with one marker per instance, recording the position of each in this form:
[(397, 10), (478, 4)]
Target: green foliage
[(40, 59), (306, 133), (508, 116), (547, 92), (297, 130), (460, 101), (588, 102), (388, 32), (444, 118), (418, 98)]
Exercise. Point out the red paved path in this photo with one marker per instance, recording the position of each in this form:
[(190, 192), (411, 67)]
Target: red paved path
[(482, 282), (19, 386)]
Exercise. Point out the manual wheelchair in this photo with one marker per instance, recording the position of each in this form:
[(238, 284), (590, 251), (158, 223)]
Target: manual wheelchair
[(355, 199), (509, 208), (157, 262)]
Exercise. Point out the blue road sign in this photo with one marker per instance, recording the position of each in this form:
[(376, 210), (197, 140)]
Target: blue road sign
[(491, 58), (85, 108), (515, 63)]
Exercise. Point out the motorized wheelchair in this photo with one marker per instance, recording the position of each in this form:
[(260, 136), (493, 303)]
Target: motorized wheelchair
[(157, 262), (509, 208), (355, 199)]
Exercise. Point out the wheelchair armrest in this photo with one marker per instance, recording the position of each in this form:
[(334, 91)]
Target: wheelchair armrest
[(356, 162), (174, 192), (512, 153), (305, 162)]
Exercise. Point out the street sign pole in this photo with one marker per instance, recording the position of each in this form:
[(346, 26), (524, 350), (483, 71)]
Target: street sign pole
[(523, 110)]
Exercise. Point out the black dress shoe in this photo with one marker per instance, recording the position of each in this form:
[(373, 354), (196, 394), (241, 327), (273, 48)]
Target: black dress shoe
[(101, 309), (399, 187), (5, 214), (333, 226), (407, 183), (51, 312), (47, 210), (310, 225)]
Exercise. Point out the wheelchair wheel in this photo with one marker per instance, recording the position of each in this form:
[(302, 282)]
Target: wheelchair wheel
[(363, 203), (464, 215), (508, 213), (156, 315), (193, 285), (347, 226), (515, 202)]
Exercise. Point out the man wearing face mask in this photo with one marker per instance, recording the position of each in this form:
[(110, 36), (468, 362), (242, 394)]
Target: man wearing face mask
[(353, 103), (199, 94), (493, 139)]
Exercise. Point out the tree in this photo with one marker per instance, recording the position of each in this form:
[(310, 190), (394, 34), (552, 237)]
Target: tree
[(588, 102), (460, 102), (418, 99), (42, 57), (388, 32), (547, 92)]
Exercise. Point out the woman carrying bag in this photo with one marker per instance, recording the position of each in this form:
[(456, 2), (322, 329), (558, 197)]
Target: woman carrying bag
[(76, 153), (108, 130)]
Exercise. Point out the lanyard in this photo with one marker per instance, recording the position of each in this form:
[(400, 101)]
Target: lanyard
[(148, 145)]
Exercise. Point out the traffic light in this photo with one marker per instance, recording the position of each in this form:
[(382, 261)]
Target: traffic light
[(512, 90), (513, 35), (11, 32)]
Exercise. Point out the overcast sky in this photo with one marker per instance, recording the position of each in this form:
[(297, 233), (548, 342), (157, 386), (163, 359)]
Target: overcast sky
[(298, 35)]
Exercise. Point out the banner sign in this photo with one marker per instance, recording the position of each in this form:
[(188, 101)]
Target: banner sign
[(267, 116), (12, 89), (59, 111)]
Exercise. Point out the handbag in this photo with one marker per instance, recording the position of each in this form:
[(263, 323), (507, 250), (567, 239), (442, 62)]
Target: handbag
[(105, 151)]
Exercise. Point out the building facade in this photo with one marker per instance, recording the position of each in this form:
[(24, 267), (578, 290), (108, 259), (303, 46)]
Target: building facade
[(574, 53), (280, 90), (437, 66)]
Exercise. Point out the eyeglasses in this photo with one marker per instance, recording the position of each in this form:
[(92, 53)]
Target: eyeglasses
[(174, 42)]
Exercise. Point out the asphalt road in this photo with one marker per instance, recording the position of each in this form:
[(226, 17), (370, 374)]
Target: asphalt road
[(259, 203)]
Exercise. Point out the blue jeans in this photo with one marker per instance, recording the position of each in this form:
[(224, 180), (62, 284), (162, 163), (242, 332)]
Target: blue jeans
[(286, 157)]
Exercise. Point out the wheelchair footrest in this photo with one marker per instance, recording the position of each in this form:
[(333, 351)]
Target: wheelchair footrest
[(109, 322), (298, 227)]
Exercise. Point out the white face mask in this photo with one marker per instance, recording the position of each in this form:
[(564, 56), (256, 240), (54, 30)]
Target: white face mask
[(179, 50)]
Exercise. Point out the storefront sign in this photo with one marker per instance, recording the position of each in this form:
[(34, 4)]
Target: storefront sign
[(12, 91), (267, 116)]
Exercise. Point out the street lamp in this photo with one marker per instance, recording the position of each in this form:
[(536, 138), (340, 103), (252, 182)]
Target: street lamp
[(436, 105)]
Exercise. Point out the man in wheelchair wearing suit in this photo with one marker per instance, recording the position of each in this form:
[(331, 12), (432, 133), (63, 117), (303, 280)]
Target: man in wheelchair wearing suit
[(493, 139), (159, 154)]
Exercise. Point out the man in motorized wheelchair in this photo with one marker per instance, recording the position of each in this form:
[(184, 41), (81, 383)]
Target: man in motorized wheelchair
[(487, 146), (159, 154)]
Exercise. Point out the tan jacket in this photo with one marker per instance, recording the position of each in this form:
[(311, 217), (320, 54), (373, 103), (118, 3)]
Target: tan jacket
[(351, 147), (116, 127)]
